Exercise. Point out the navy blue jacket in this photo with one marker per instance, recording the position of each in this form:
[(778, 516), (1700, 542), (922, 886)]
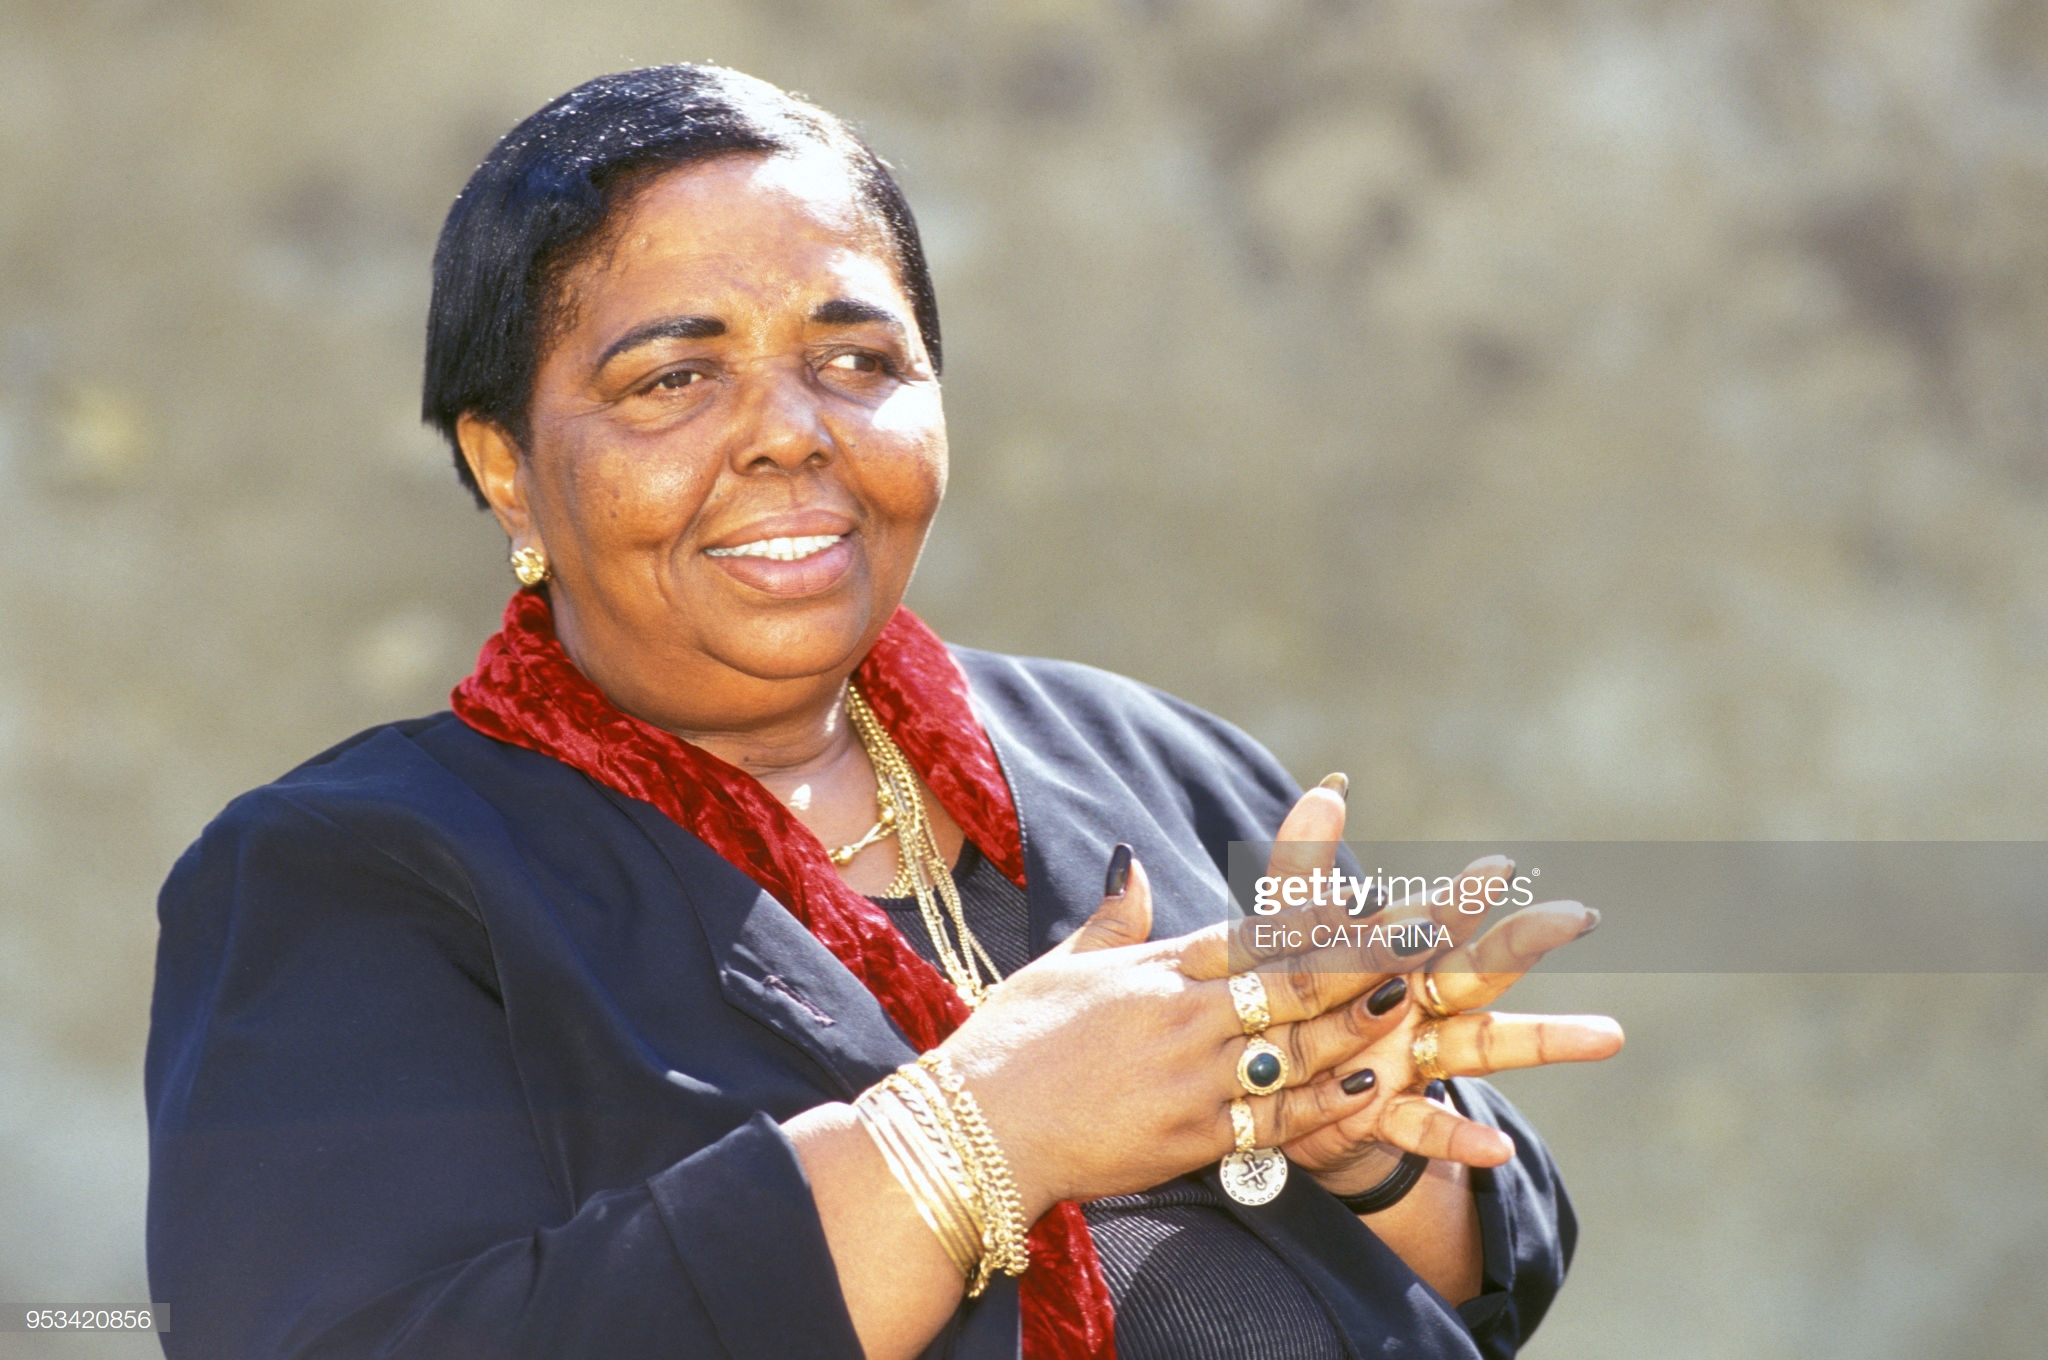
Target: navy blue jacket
[(456, 1053)]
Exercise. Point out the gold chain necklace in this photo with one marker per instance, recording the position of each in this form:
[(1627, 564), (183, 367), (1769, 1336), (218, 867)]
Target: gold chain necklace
[(923, 871)]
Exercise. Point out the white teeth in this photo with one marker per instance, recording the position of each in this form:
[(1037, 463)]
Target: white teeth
[(779, 549)]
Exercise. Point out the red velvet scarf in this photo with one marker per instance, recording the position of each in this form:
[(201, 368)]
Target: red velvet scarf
[(527, 692)]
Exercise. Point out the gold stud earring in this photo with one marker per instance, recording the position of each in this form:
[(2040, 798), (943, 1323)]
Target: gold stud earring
[(530, 565)]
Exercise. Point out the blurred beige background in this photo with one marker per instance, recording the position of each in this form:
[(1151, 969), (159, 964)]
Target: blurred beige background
[(1574, 420)]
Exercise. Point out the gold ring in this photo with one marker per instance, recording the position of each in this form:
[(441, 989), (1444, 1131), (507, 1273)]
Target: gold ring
[(1248, 995), (1430, 1000), (1428, 1066), (1262, 1068), (1241, 1127), (1252, 1174)]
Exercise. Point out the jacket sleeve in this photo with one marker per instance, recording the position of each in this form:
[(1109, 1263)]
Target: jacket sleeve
[(1526, 1228), (342, 1161)]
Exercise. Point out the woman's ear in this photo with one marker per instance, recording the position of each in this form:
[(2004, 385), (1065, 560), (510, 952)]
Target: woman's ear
[(496, 463)]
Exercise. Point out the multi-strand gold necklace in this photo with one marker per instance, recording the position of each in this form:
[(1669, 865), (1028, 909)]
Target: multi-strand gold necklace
[(922, 870)]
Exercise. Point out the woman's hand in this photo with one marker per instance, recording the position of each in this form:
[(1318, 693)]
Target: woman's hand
[(1105, 1066), (1355, 1151), (1470, 1043), (1108, 1065)]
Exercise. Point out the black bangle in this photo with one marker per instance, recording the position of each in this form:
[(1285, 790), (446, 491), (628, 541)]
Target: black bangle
[(1390, 1190), (1396, 1183)]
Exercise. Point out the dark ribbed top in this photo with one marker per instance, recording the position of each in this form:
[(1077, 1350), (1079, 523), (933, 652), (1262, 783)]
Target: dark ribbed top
[(1189, 1282)]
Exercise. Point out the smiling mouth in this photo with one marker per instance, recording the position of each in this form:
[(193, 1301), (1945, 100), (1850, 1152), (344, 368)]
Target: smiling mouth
[(779, 549)]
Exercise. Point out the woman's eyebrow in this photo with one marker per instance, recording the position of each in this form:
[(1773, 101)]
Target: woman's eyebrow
[(853, 312), (668, 328)]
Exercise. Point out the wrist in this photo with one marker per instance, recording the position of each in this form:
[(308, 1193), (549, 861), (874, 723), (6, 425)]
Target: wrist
[(930, 1130), (1383, 1176), (1390, 1189), (1373, 1164), (1037, 1164)]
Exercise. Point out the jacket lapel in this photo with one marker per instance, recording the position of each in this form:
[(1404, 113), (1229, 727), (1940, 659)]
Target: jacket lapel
[(774, 970), (1073, 807)]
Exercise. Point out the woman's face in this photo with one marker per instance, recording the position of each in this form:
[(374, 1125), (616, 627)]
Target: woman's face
[(737, 444)]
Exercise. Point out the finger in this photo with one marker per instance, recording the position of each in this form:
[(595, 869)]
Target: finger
[(1299, 1111), (1301, 987), (1352, 952), (1308, 837), (1328, 938), (1245, 943), (1345, 962), (1481, 886), (1125, 916), (1318, 1045), (1473, 975), (1474, 1045), (1359, 1128), (1414, 1123), (1410, 1122), (1205, 955)]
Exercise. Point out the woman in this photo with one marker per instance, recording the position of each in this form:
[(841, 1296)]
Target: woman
[(586, 1020)]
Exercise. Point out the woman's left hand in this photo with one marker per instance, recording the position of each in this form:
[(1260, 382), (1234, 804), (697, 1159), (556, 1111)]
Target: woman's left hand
[(1353, 1153), (1356, 1151)]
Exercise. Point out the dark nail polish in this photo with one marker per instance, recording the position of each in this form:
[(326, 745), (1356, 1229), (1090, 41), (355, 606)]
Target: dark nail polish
[(1119, 876), (1359, 1082), (1388, 995), (1592, 922), (1339, 782), (1374, 898)]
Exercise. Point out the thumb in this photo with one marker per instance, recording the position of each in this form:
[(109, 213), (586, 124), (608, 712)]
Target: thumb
[(1125, 916)]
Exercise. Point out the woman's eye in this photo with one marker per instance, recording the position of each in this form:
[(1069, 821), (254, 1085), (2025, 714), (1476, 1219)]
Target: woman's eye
[(681, 378), (858, 363)]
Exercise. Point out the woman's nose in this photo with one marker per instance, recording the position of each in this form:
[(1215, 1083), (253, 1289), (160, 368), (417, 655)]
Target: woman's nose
[(782, 422)]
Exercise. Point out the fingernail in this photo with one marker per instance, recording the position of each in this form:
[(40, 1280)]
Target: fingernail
[(1340, 782), (1359, 1082), (1592, 923), (1374, 898), (1388, 995), (1119, 876)]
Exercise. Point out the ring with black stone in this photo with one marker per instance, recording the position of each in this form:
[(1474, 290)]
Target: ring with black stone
[(1262, 1069)]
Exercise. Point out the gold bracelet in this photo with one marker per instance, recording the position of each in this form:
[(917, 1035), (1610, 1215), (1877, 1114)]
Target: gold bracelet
[(918, 1159), (981, 1193), (937, 1203), (952, 1159), (936, 1142), (1002, 1208)]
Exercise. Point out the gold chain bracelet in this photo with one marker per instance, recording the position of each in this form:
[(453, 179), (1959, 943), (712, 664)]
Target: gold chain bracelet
[(936, 1142), (1003, 1225)]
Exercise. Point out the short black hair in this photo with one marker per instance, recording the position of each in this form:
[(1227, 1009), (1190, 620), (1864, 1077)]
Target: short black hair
[(548, 189)]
